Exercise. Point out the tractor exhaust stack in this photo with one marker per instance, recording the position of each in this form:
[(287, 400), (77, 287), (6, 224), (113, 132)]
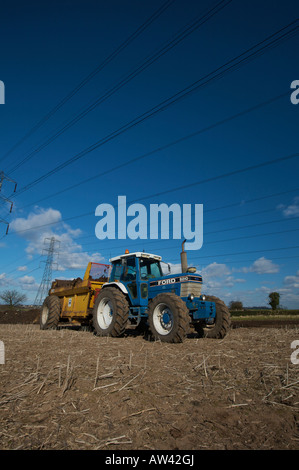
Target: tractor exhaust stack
[(184, 262)]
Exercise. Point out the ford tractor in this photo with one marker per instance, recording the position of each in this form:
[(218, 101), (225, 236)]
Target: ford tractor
[(138, 292)]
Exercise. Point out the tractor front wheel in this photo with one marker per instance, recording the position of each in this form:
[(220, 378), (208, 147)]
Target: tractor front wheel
[(110, 312), (168, 318), (50, 313)]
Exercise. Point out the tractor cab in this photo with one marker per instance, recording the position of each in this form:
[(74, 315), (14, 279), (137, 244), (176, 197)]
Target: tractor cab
[(132, 273), (130, 266)]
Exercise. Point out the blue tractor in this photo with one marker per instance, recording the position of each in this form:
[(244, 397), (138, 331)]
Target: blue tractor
[(138, 292)]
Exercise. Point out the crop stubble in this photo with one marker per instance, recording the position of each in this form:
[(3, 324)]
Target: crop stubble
[(69, 389)]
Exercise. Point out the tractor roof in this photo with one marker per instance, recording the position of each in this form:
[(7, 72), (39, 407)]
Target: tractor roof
[(138, 254)]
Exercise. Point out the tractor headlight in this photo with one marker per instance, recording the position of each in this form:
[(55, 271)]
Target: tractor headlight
[(191, 297), (203, 297)]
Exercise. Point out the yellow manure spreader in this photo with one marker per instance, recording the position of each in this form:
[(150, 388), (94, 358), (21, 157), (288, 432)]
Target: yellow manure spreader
[(73, 300)]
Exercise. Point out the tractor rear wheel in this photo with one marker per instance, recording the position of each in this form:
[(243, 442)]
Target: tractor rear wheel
[(168, 318), (222, 321), (50, 313), (110, 312)]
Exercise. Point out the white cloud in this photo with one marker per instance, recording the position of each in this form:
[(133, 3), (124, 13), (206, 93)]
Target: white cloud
[(41, 218), (261, 266), (22, 268), (215, 270), (27, 280), (217, 276), (174, 268), (292, 210), (230, 281), (292, 281), (264, 289), (3, 280), (28, 283), (70, 254)]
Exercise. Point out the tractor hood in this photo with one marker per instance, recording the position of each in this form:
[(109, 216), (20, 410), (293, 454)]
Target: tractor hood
[(175, 278), (182, 285)]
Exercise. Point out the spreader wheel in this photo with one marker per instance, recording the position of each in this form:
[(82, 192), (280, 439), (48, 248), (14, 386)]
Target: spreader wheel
[(50, 313)]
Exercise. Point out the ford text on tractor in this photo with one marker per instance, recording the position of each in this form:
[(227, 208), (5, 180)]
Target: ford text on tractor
[(133, 290), (139, 292)]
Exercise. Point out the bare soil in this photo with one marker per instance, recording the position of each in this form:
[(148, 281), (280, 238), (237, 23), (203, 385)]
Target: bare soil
[(68, 389), (269, 323), (18, 315)]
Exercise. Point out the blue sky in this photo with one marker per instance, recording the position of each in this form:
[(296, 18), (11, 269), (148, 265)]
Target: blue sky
[(251, 223)]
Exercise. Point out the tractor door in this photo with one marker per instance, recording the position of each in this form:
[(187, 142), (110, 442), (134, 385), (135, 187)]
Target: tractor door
[(149, 269), (129, 278)]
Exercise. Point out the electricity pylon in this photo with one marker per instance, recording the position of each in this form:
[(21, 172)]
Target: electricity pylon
[(5, 222), (47, 275), (3, 177)]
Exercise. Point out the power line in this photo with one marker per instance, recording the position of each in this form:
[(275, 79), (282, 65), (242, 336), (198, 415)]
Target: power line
[(161, 148), (212, 256), (252, 236), (20, 259), (218, 231), (281, 193), (25, 274), (211, 242), (205, 243), (226, 218), (226, 262), (234, 204), (236, 253), (272, 259), (181, 35), (91, 75), (225, 175), (252, 225), (143, 243), (247, 252), (240, 261), (229, 66)]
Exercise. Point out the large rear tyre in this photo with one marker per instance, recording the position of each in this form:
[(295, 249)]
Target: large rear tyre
[(110, 312), (222, 322), (168, 318), (50, 313)]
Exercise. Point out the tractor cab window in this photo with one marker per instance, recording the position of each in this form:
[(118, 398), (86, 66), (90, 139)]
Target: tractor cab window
[(117, 270), (129, 270), (150, 268)]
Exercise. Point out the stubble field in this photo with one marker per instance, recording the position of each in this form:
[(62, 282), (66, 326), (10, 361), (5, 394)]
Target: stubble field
[(69, 389)]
